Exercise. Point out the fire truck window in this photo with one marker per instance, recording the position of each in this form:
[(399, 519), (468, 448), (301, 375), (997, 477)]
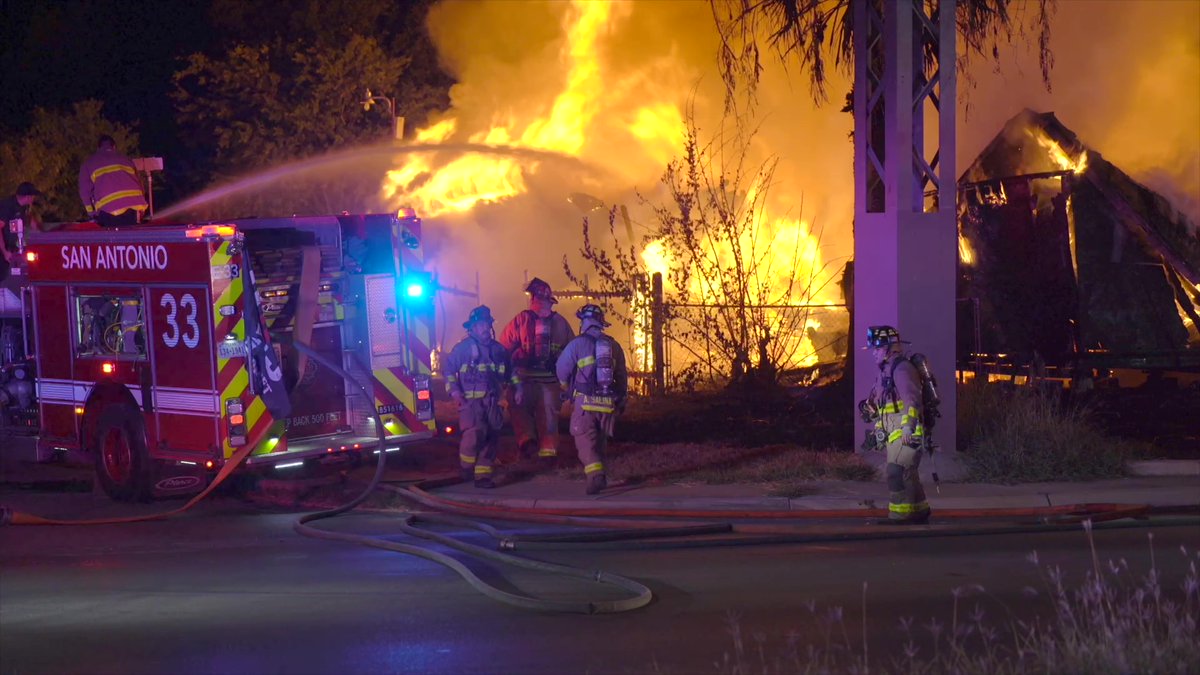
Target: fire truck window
[(109, 325), (368, 249)]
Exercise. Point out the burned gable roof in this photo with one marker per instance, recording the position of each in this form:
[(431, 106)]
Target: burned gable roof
[(1065, 255)]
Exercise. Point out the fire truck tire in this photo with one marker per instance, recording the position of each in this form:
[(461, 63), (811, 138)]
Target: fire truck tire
[(119, 450)]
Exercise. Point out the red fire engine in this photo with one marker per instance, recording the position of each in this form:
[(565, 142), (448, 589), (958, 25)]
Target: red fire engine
[(163, 351)]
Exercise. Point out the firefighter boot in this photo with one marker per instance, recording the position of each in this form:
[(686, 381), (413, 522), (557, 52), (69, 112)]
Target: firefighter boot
[(596, 483), (467, 474), (528, 449), (485, 483), (920, 518)]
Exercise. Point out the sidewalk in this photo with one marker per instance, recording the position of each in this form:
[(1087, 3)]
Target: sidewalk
[(558, 493), (1164, 483)]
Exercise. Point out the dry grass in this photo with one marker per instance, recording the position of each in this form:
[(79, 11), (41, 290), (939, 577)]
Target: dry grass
[(1112, 621), (1026, 435)]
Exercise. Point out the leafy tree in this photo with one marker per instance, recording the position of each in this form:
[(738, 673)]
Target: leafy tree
[(733, 278), (50, 151), (398, 28), (813, 31), (259, 106), (293, 91)]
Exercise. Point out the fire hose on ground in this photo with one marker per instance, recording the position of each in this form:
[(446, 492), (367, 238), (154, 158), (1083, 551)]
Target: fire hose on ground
[(641, 594), (620, 529)]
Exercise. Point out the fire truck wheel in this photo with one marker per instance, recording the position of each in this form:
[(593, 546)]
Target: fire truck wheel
[(119, 449)]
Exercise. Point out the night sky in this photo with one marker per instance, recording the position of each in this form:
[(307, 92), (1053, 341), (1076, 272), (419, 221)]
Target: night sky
[(123, 53)]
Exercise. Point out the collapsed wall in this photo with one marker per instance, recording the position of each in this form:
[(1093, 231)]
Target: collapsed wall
[(1066, 260)]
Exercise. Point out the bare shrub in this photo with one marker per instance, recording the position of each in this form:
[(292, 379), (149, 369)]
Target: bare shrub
[(1025, 434)]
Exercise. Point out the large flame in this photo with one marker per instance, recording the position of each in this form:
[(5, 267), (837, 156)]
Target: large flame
[(579, 121), (472, 179)]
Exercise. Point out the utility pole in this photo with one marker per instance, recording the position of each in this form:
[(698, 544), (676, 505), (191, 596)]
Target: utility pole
[(905, 226)]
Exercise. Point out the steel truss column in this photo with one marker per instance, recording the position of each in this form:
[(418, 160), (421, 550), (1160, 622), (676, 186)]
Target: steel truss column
[(905, 243)]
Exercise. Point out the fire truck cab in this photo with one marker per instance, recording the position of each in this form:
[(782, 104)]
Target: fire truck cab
[(162, 351)]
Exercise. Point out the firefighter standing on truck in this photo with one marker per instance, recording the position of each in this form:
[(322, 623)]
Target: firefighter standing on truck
[(896, 405), (535, 337), (477, 371), (14, 219), (109, 187), (592, 369)]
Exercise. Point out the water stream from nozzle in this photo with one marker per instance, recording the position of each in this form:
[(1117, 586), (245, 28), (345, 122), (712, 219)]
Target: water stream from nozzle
[(384, 154)]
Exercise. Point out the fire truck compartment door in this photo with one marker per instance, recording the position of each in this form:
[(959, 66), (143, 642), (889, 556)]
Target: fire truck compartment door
[(186, 403), (382, 332)]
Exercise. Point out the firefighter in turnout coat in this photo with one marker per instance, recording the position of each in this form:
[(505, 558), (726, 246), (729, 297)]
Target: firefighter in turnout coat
[(535, 337), (477, 371), (592, 369), (109, 187), (896, 405)]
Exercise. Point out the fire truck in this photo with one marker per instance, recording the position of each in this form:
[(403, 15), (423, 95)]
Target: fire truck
[(161, 352)]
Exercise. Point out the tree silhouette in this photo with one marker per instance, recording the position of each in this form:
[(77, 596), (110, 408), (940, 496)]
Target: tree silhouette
[(813, 31)]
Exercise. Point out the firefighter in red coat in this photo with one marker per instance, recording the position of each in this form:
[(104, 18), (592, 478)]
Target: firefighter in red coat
[(535, 337), (109, 187)]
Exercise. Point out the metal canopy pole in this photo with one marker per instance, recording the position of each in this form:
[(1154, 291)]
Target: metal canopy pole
[(905, 227)]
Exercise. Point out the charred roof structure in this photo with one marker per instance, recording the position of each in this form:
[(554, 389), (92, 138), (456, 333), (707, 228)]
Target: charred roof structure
[(1065, 260)]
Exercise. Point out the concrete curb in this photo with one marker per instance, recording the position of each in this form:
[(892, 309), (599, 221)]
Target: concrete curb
[(1165, 467), (1060, 495)]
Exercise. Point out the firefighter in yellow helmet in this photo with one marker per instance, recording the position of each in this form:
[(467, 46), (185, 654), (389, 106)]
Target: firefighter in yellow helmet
[(592, 369), (896, 407), (535, 337), (478, 370)]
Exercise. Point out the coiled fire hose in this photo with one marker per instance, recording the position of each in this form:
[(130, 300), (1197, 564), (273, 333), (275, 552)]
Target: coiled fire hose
[(641, 594)]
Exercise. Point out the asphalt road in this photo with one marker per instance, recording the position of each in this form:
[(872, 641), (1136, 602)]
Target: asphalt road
[(230, 588)]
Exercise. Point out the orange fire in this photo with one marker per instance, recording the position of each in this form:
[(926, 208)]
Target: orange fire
[(596, 114), (1060, 157)]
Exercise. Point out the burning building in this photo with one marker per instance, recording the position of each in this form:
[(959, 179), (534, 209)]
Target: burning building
[(1065, 260)]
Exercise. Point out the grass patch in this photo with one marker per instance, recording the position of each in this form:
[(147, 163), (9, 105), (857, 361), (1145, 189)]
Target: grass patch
[(1112, 621), (1025, 435)]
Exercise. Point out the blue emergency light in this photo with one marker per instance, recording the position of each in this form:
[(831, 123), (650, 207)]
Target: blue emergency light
[(416, 286)]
